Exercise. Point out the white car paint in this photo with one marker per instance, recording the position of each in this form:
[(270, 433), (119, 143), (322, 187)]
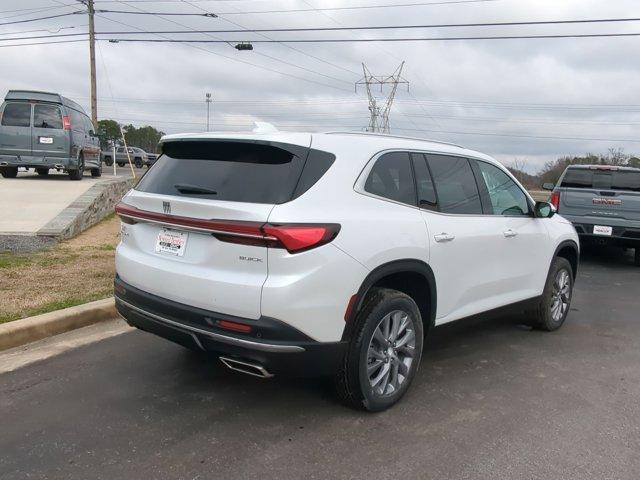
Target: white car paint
[(479, 269)]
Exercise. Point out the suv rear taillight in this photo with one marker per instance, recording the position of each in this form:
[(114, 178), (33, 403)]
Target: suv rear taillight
[(295, 237), (66, 122), (555, 200)]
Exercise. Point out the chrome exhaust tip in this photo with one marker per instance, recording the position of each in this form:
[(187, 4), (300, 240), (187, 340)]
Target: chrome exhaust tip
[(241, 366)]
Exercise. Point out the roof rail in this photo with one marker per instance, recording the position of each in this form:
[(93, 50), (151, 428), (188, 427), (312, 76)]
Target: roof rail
[(388, 135)]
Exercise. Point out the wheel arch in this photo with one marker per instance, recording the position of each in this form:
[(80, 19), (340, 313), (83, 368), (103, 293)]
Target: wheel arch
[(411, 276), (571, 252)]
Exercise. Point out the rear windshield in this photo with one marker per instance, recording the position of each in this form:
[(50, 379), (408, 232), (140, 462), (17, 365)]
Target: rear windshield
[(235, 171), (602, 179)]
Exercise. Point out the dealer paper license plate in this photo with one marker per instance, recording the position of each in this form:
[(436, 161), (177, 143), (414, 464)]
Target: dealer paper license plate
[(600, 230), (171, 242)]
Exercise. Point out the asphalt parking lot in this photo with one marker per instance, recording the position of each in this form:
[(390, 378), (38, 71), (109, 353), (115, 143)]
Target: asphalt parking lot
[(492, 400)]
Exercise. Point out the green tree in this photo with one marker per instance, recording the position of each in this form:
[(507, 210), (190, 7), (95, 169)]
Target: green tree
[(108, 133), (146, 137)]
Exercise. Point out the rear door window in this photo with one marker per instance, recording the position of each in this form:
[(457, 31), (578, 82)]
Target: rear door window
[(17, 115), (47, 116), (227, 170), (455, 185), (391, 177)]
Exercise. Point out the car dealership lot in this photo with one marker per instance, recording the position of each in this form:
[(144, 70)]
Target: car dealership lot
[(492, 400)]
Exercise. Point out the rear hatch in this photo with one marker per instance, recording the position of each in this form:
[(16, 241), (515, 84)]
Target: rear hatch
[(191, 227), (601, 192)]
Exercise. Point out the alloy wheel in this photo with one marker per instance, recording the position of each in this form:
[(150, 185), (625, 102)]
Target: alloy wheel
[(391, 352), (561, 295)]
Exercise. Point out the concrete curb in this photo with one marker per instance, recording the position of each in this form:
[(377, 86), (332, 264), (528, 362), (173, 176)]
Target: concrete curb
[(27, 330)]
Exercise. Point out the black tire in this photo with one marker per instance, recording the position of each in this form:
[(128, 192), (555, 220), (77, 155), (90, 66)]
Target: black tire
[(637, 259), (353, 383), (108, 161), (120, 164), (542, 316), (9, 172), (78, 173), (138, 162), (97, 172), (43, 172)]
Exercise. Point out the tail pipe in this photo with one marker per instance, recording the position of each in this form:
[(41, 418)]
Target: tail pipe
[(249, 368)]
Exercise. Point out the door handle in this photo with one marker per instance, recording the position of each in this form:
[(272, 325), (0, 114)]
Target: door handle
[(510, 233), (444, 237)]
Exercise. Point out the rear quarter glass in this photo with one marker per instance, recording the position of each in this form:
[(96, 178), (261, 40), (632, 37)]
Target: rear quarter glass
[(252, 172)]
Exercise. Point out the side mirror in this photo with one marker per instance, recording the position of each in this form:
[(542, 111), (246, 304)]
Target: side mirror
[(544, 210), (548, 186)]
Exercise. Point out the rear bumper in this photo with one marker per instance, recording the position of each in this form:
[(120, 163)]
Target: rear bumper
[(278, 348), (29, 161), (621, 235)]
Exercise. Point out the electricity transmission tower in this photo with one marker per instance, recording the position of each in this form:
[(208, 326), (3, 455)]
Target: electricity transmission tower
[(379, 109)]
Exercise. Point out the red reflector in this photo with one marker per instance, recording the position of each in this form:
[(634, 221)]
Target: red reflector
[(555, 200), (66, 123), (350, 306), (237, 327)]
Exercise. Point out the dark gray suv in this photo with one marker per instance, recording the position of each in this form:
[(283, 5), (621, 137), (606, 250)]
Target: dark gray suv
[(602, 202), (46, 131)]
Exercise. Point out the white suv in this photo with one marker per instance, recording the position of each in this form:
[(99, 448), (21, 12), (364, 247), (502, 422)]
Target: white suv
[(333, 253)]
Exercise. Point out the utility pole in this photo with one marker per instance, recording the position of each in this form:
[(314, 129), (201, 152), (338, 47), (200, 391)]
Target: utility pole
[(92, 60), (208, 100), (379, 114)]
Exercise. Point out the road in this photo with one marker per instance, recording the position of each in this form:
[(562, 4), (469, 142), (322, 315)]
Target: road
[(492, 400)]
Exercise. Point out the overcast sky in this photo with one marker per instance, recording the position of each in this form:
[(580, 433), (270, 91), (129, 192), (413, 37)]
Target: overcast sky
[(531, 100)]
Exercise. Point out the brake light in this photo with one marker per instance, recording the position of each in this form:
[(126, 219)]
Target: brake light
[(66, 122), (295, 237), (555, 200)]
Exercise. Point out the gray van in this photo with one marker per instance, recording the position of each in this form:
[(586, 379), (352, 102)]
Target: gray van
[(44, 130), (602, 202)]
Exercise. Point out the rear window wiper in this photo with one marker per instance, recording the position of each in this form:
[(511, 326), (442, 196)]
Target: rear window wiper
[(194, 189)]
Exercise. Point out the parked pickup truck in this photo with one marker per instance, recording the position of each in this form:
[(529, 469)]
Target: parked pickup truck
[(139, 157), (602, 202)]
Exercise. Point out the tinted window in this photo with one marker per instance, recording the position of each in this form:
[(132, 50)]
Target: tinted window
[(314, 168), (77, 120), (234, 171), (602, 179), (455, 185), (17, 115), (506, 197), (426, 191), (391, 178), (47, 116)]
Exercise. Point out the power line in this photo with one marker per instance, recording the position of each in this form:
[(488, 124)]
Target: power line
[(14, 22), (42, 43), (393, 27), (371, 40), (358, 7), (269, 69)]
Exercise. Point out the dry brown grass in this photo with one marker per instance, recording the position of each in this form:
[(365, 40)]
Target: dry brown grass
[(70, 273)]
